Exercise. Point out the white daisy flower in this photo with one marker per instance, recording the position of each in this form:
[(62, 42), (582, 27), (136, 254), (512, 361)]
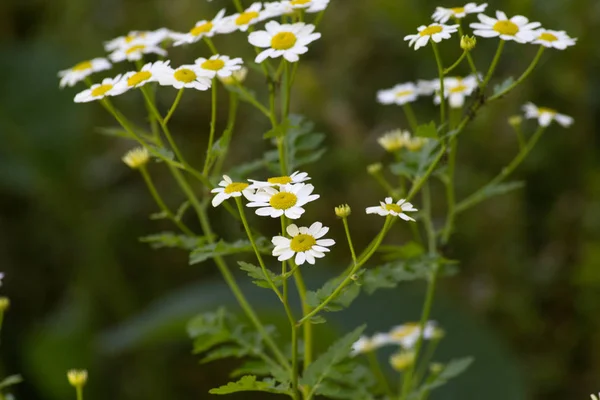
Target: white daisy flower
[(287, 40), (202, 29), (442, 15), (69, 77), (151, 38), (242, 21), (366, 344), (135, 79), (222, 66), (399, 94), (456, 89), (397, 139), (407, 335), (296, 177), (554, 39), (135, 52), (305, 243), (546, 115), (437, 32), (185, 76), (286, 200), (517, 28), (427, 88), (397, 209), (229, 189), (287, 7), (108, 87)]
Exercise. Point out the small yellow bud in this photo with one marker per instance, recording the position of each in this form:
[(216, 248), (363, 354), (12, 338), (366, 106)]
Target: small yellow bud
[(374, 168), (238, 76), (438, 333), (4, 303), (355, 277), (515, 121), (137, 157), (77, 377), (436, 368), (403, 360), (467, 43), (343, 210)]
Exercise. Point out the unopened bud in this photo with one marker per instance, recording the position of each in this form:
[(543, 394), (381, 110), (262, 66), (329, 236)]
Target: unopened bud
[(436, 368), (515, 121), (467, 43), (4, 303), (137, 157), (343, 210), (236, 77), (374, 168), (77, 377), (354, 277), (403, 360)]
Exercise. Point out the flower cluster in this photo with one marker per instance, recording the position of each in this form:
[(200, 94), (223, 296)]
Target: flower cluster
[(398, 139)]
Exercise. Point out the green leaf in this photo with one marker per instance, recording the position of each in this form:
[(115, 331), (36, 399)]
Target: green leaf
[(427, 130), (10, 381), (279, 131), (225, 352), (341, 301), (248, 383), (209, 330), (251, 367), (221, 248), (348, 380), (165, 153), (504, 85), (453, 369), (122, 133), (405, 251), (259, 277), (389, 275), (501, 188), (323, 366), (173, 240)]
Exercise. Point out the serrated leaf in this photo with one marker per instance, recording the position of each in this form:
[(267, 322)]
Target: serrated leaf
[(247, 383), (427, 130), (453, 369), (259, 277), (225, 352), (221, 248), (251, 367), (406, 251), (348, 380), (504, 85), (323, 365), (173, 240), (341, 301), (279, 131), (389, 275)]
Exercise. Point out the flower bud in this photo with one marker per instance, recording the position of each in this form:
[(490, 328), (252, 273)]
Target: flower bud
[(343, 210), (401, 361), (4, 303), (137, 157), (515, 121), (374, 168), (77, 377), (467, 43), (238, 76), (436, 368)]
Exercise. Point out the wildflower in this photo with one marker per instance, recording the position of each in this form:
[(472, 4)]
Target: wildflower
[(185, 76), (442, 15), (150, 38), (408, 334), (108, 87), (375, 168), (468, 43), (242, 21), (135, 79), (287, 200), (518, 28), (399, 94), (402, 360), (546, 115), (136, 158), (397, 139), (397, 209), (296, 177), (222, 66), (343, 211), (238, 76), (228, 189), (202, 29), (437, 32), (77, 377), (289, 6), (135, 52), (4, 304), (427, 88), (305, 243), (456, 89), (287, 40), (366, 344), (77, 73), (553, 39)]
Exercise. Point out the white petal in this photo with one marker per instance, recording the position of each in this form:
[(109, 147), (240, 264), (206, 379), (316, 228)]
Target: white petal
[(300, 258), (292, 230)]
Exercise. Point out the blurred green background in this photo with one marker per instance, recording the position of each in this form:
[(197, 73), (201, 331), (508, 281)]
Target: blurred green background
[(86, 293)]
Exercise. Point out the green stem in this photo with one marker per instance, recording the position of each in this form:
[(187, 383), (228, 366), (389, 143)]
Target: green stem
[(213, 126), (384, 385), (233, 106), (418, 183), (238, 6), (494, 64), (286, 89), (424, 363), (427, 219), (252, 100), (210, 45), (174, 106), (523, 76), (469, 56), (349, 237), (306, 309), (79, 391), (450, 193), (480, 194), (440, 67), (457, 63), (410, 117), (160, 202)]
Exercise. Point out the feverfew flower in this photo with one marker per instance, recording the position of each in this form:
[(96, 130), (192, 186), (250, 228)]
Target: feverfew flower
[(397, 139), (407, 335), (186, 76), (402, 360), (397, 209), (287, 200), (366, 344), (442, 15), (135, 52), (554, 39), (546, 115), (108, 87), (427, 88), (456, 89), (77, 378), (135, 79), (289, 6), (242, 21), (296, 177), (202, 29), (228, 189), (151, 38), (305, 243), (236, 77), (399, 94), (69, 77), (518, 28), (287, 40), (437, 32), (137, 157), (222, 66)]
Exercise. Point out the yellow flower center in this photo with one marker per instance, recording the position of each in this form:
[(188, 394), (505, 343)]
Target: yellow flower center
[(302, 243), (101, 90), (457, 10), (283, 200), (133, 36), (548, 37), (136, 48), (280, 180), (405, 330), (393, 207), (82, 66), (236, 187), (213, 65), (506, 27), (431, 30), (300, 2), (404, 93), (283, 41), (542, 110), (185, 75), (458, 89), (246, 17), (138, 78), (200, 29)]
